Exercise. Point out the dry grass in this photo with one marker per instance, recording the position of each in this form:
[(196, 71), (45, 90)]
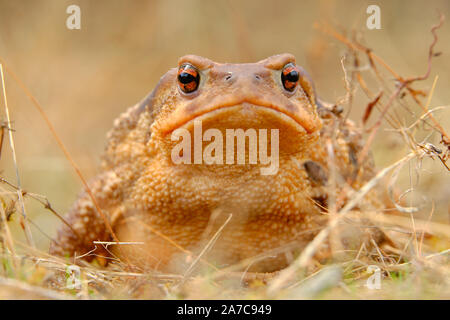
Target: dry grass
[(415, 265)]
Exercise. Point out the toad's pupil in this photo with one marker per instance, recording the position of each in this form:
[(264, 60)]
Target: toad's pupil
[(185, 77), (292, 76), (188, 78)]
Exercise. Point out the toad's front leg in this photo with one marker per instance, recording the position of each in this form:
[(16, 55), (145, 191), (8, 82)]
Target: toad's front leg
[(85, 224)]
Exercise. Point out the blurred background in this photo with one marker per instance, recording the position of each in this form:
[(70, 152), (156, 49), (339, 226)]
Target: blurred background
[(85, 78)]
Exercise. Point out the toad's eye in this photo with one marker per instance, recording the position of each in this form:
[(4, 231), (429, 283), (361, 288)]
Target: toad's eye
[(188, 78), (290, 76)]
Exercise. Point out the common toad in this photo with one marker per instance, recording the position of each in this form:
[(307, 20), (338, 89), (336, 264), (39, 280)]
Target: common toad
[(169, 209)]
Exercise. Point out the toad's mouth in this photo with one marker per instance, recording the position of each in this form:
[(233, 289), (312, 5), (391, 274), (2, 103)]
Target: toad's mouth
[(252, 126), (243, 113), (245, 116)]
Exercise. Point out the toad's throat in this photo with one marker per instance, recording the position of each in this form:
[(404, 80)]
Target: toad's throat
[(196, 109)]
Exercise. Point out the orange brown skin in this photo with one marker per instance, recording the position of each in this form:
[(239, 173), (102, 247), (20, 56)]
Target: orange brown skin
[(176, 208)]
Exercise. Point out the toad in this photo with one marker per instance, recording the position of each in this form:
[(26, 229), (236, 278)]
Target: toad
[(166, 212)]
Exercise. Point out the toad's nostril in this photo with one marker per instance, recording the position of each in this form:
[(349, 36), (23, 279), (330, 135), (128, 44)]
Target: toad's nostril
[(229, 76), (257, 77)]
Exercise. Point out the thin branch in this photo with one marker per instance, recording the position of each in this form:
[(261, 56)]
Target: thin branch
[(66, 153), (404, 83), (287, 274), (45, 203), (24, 222)]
